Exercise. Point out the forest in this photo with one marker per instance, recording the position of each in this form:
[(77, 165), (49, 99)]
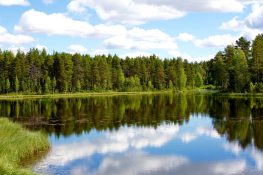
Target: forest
[(238, 68)]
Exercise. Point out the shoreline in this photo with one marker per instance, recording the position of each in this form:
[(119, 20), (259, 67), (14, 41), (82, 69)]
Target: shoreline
[(17, 145), (115, 93), (81, 94)]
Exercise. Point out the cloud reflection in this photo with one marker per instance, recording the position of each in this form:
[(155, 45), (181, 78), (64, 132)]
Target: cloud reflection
[(111, 142), (138, 163), (200, 131)]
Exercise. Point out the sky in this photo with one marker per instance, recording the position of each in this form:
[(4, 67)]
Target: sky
[(191, 29)]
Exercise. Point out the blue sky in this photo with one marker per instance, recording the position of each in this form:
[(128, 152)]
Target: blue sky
[(192, 29)]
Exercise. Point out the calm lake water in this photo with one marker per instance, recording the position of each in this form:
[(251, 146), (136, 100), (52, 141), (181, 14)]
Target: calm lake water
[(150, 134)]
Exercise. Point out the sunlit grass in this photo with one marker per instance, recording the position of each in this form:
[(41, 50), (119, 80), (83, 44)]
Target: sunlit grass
[(16, 144), (78, 94)]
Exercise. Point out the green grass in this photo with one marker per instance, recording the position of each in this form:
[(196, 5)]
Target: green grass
[(18, 144), (89, 94), (77, 94), (239, 95)]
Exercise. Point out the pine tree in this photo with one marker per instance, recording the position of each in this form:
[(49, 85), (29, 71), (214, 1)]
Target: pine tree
[(78, 87), (7, 85), (257, 58), (16, 85), (47, 85)]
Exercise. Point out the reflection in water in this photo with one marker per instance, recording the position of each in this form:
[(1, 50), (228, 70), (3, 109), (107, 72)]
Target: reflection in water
[(149, 134)]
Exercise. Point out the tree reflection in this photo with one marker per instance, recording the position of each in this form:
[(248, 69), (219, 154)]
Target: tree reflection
[(238, 119)]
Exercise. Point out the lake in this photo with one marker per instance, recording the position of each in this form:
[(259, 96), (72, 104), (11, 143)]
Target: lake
[(146, 134)]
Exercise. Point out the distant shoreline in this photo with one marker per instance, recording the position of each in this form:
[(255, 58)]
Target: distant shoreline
[(114, 93), (91, 94), (78, 94)]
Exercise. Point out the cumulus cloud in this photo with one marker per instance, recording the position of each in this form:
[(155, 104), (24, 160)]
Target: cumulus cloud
[(141, 11), (250, 26), (135, 12), (76, 48), (185, 37), (115, 36), (33, 21), (216, 41), (141, 39), (13, 39), (210, 41), (14, 2)]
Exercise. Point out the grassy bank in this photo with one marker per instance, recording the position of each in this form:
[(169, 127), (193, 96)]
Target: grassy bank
[(16, 144), (239, 95), (76, 95), (89, 94)]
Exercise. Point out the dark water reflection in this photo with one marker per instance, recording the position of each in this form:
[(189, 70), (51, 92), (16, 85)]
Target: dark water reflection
[(149, 134)]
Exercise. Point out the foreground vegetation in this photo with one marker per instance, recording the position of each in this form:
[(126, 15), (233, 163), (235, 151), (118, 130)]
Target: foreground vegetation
[(16, 145), (239, 68)]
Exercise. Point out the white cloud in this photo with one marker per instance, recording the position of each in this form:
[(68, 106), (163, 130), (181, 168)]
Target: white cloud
[(95, 52), (255, 18), (185, 37), (216, 41), (176, 53), (14, 49), (14, 2), (135, 12), (75, 48), (141, 39), (210, 41), (141, 11), (233, 24), (114, 36), (251, 25), (41, 47), (135, 54), (12, 39), (33, 21)]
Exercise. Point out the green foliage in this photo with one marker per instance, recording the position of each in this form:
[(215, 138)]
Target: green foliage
[(257, 58), (47, 85), (17, 144), (7, 85), (198, 80), (35, 72), (78, 86), (16, 85), (236, 69)]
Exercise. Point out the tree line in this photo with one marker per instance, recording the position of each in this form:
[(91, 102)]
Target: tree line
[(239, 68), (39, 72)]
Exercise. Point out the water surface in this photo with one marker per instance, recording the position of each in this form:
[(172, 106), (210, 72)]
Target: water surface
[(149, 134)]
